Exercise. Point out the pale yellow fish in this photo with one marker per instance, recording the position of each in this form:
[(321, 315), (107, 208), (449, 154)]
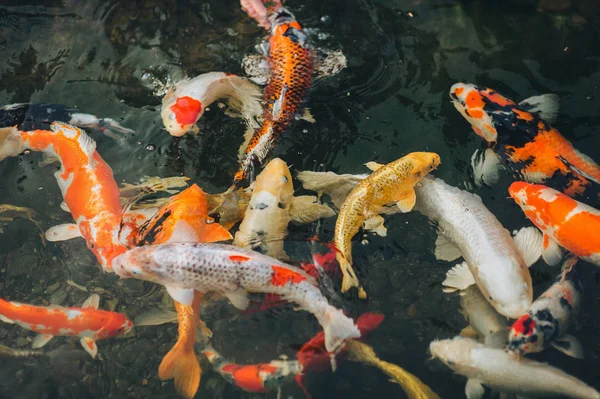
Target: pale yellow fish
[(412, 386), (388, 184)]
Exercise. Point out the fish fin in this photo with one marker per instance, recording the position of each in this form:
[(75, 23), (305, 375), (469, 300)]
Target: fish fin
[(204, 329), (375, 224), (155, 317), (469, 332), (93, 302), (474, 389), (238, 298), (336, 186), (248, 134), (182, 365), (64, 206), (306, 209), (41, 340), (349, 278), (256, 68), (529, 243), (307, 116), (215, 232), (445, 250), (184, 296), (374, 165), (407, 202), (569, 345), (6, 319), (278, 104), (486, 167), (496, 340), (62, 232), (337, 328), (551, 252), (49, 160), (89, 345), (458, 278), (545, 106), (577, 170), (245, 99)]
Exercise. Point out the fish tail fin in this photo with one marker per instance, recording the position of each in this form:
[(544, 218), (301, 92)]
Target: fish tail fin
[(11, 144), (337, 328), (336, 186), (215, 232), (246, 99), (181, 365), (349, 278), (360, 352)]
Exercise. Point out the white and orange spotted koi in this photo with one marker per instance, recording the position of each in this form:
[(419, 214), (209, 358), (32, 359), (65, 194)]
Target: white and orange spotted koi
[(87, 322), (233, 272), (564, 221)]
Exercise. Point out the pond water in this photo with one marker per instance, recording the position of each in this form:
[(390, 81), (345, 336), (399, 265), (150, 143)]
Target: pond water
[(392, 99)]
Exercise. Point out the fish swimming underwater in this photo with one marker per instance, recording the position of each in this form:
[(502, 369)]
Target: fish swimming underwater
[(229, 207), (87, 322), (85, 180), (501, 371), (186, 101), (564, 221), (391, 183), (233, 272), (272, 207), (495, 261), (32, 116), (491, 327), (291, 67), (9, 212), (261, 377), (519, 136), (550, 316)]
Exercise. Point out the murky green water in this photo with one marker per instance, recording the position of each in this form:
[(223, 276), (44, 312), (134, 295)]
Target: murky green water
[(392, 99)]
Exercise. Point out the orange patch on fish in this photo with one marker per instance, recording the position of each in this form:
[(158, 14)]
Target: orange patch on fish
[(580, 233), (186, 110), (474, 100), (282, 276), (526, 116), (497, 98), (475, 113), (239, 258), (458, 91)]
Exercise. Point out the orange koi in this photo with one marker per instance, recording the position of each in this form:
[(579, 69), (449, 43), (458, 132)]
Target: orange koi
[(291, 67), (87, 322)]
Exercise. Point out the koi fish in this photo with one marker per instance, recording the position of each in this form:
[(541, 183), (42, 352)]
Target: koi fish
[(229, 207), (500, 370), (495, 261), (186, 102), (233, 272), (519, 137), (31, 116), (85, 180), (272, 207), (550, 316), (262, 377), (488, 326), (411, 384), (153, 183), (87, 322), (564, 221), (291, 67), (391, 183), (7, 210)]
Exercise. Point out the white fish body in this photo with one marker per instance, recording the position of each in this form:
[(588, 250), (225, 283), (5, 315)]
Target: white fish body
[(490, 326), (500, 370)]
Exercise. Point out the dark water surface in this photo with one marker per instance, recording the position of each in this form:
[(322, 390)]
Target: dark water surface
[(403, 56)]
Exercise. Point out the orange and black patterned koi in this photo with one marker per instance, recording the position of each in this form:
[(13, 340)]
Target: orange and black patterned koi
[(291, 67)]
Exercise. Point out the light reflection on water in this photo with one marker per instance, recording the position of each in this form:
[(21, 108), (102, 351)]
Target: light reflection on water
[(392, 99)]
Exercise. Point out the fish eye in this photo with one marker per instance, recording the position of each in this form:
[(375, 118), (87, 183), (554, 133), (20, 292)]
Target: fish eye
[(137, 272), (285, 179), (172, 116)]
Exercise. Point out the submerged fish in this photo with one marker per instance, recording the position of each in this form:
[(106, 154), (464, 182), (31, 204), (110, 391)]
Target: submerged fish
[(186, 102), (8, 213), (412, 385), (85, 180), (291, 67), (495, 261), (550, 316), (153, 183), (490, 327), (564, 221), (261, 377), (233, 272), (391, 183), (230, 206), (519, 136), (87, 322), (272, 207), (500, 370)]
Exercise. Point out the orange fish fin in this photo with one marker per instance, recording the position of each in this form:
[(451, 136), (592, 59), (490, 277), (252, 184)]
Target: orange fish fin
[(184, 368), (90, 346), (215, 232), (41, 340), (407, 201)]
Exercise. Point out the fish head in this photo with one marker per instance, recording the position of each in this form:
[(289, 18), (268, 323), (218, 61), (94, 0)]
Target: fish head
[(525, 336), (279, 15), (454, 353), (480, 107), (424, 163), (148, 263), (180, 115), (116, 324), (509, 292), (276, 179), (541, 204)]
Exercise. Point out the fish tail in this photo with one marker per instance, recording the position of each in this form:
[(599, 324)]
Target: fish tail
[(246, 99), (349, 278), (360, 352), (337, 328), (181, 365)]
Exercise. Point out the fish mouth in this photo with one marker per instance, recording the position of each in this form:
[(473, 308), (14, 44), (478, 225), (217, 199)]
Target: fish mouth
[(280, 17)]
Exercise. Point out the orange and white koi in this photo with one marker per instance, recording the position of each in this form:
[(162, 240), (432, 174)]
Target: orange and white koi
[(519, 137), (261, 377), (85, 180), (291, 67), (564, 221), (233, 272), (186, 102), (87, 322)]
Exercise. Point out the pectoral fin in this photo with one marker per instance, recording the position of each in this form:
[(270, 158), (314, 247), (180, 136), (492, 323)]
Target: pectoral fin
[(445, 250), (306, 209), (155, 317), (529, 243), (458, 278), (469, 332), (407, 202), (545, 106), (569, 345), (92, 302), (184, 296), (374, 165), (375, 224), (238, 298), (486, 167), (89, 345), (551, 252), (474, 389), (63, 232), (41, 340)]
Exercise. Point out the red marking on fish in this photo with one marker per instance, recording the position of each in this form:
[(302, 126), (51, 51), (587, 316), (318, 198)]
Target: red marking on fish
[(282, 276), (239, 258), (186, 110)]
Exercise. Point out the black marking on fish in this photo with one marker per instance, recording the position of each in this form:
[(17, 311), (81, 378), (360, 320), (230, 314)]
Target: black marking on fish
[(565, 304), (154, 226), (281, 205), (260, 206)]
